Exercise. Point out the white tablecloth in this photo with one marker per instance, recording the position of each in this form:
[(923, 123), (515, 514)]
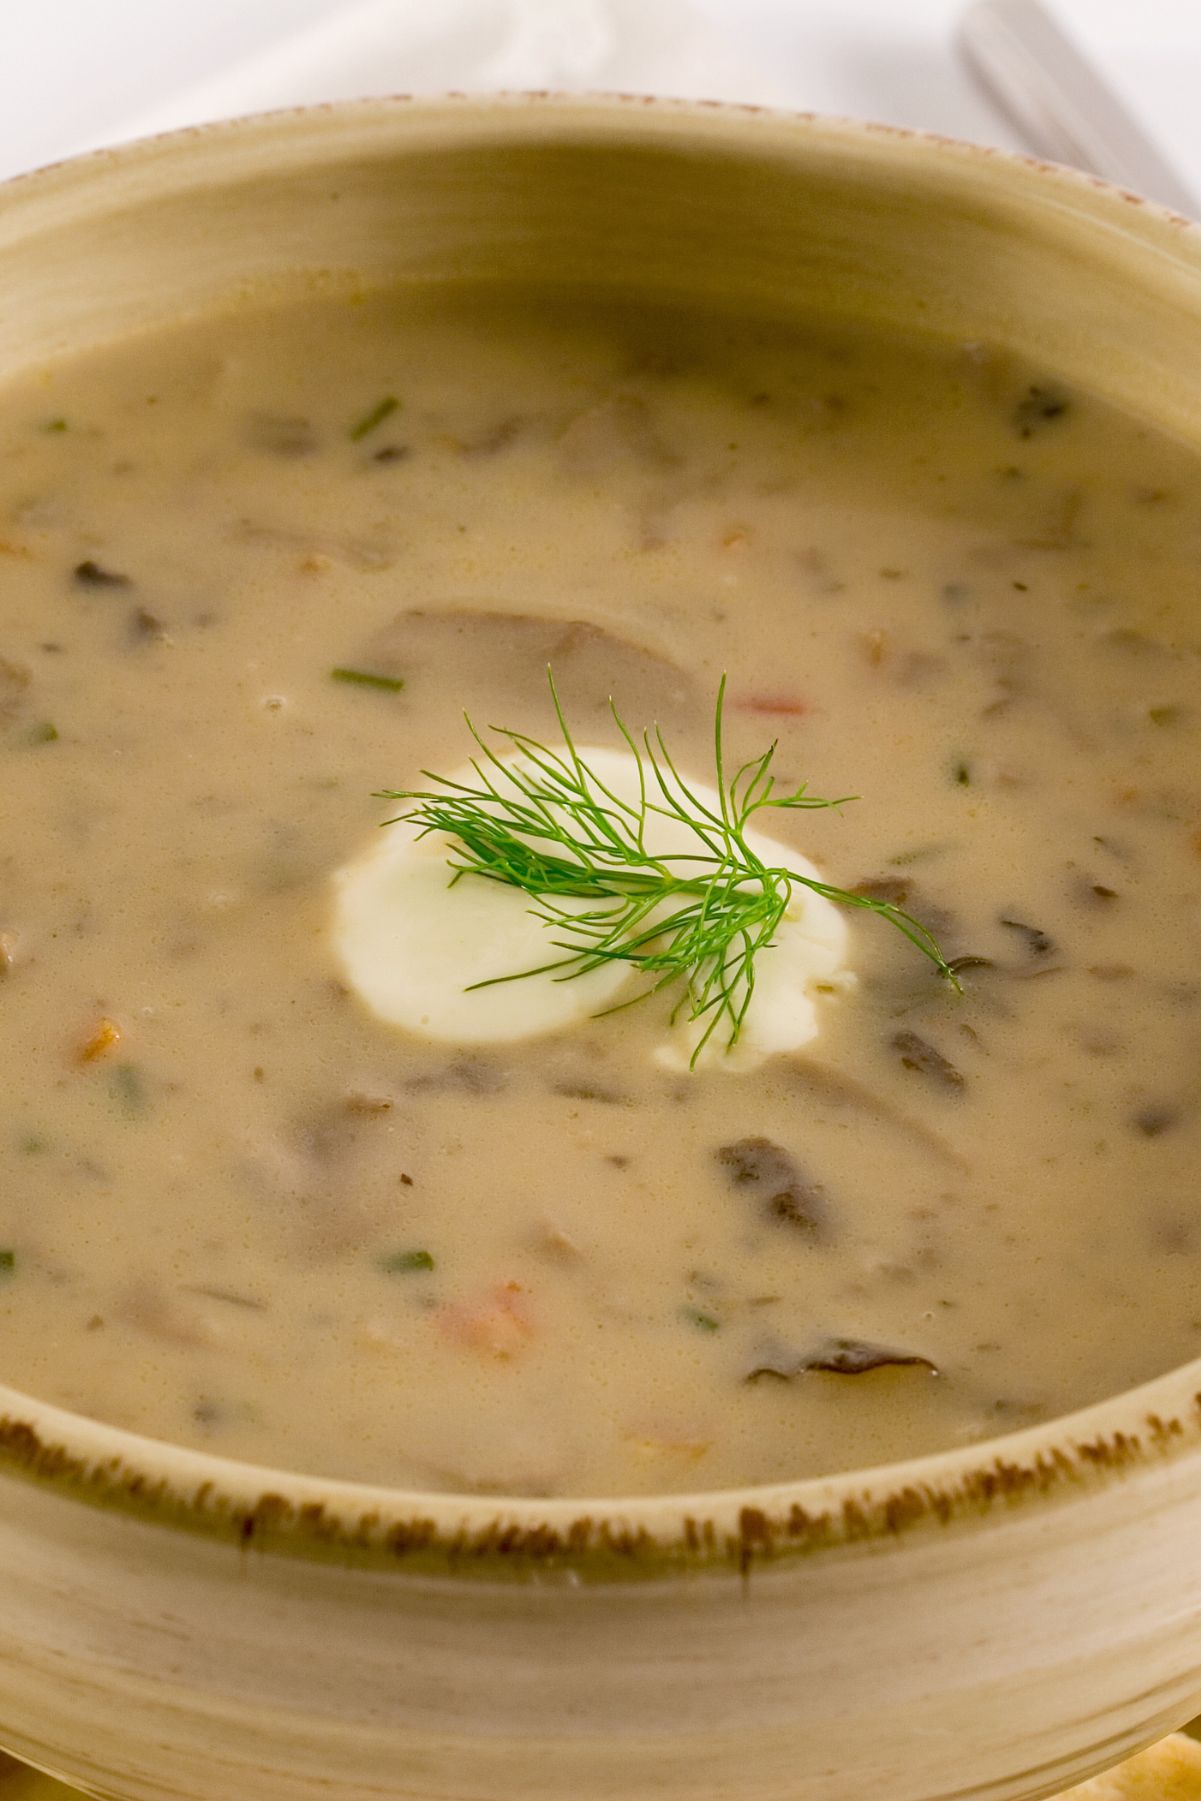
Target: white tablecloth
[(75, 73)]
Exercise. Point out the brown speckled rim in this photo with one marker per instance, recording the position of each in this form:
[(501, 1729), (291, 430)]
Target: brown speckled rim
[(662, 1536)]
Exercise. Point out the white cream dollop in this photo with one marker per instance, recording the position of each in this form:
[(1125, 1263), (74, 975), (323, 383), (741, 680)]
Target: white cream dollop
[(411, 946)]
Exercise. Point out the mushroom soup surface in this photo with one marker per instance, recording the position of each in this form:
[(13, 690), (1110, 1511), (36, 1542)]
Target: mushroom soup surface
[(273, 1184)]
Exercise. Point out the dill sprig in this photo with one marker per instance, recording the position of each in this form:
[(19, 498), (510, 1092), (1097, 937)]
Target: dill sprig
[(544, 821)]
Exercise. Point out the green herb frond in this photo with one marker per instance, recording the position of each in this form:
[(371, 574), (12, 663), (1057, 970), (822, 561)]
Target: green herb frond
[(544, 821)]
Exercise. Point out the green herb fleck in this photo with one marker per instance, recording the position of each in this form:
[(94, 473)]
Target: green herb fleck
[(383, 409), (921, 853), (8, 1262), (55, 425), (366, 678), (405, 1263), (129, 1086), (32, 1144), (963, 774), (1165, 715), (41, 733), (695, 920), (704, 1322)]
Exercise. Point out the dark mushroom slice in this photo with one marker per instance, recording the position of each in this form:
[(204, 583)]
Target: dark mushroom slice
[(900, 890), (14, 683), (496, 664), (785, 1193), (285, 435), (1038, 942), (472, 1075), (613, 433), (91, 574), (145, 627), (922, 1057), (834, 1357), (1040, 406), (834, 1087)]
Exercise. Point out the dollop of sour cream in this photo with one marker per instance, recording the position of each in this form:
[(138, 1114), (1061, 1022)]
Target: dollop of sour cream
[(412, 946)]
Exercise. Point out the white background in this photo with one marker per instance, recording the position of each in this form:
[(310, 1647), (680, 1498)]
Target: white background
[(74, 73)]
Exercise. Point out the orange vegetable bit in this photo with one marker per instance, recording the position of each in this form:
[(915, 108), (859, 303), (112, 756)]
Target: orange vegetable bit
[(497, 1326), (679, 1447), (105, 1038), (785, 704)]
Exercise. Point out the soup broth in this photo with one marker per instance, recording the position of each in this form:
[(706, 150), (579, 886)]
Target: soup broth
[(253, 572)]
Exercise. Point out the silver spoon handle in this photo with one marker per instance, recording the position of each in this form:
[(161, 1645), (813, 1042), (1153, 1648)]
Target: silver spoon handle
[(1058, 101)]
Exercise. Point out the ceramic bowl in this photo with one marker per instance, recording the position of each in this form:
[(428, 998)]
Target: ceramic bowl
[(989, 1624)]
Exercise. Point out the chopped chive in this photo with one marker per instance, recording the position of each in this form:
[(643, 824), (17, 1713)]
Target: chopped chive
[(129, 1087), (922, 853), (8, 1262), (55, 425), (1165, 715), (704, 1322), (383, 409), (366, 678), (404, 1263), (963, 775), (42, 733)]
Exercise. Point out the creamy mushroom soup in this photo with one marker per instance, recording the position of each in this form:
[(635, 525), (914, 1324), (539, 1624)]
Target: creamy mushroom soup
[(271, 1185)]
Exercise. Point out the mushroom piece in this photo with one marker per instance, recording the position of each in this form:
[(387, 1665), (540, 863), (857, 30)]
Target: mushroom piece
[(785, 1193), (497, 662)]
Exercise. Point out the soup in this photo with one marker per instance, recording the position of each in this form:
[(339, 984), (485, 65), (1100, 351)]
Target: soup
[(255, 569)]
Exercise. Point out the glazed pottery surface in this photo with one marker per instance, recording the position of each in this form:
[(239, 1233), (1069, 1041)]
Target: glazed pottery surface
[(989, 1625)]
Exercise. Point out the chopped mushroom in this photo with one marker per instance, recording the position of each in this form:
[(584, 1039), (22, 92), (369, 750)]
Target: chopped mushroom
[(834, 1357), (500, 661), (783, 1190), (920, 1056)]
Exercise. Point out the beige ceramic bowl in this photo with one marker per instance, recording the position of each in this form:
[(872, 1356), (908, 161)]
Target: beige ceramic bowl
[(992, 1623)]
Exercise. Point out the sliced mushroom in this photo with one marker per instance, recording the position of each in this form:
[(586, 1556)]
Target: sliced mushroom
[(783, 1190), (286, 435), (833, 1357), (611, 434), (14, 682), (916, 1054), (496, 662), (91, 574), (1039, 407), (1038, 942)]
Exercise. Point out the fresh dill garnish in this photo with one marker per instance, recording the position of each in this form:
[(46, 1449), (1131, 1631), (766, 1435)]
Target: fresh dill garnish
[(367, 678), (544, 821), (383, 409)]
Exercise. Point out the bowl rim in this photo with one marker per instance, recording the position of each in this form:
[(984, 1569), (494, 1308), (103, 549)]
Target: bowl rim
[(608, 1538)]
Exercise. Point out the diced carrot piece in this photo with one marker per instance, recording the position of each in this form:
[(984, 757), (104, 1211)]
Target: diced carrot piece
[(680, 1450), (791, 704), (105, 1038), (498, 1326)]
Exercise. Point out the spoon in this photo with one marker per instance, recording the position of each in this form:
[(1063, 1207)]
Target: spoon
[(1046, 86)]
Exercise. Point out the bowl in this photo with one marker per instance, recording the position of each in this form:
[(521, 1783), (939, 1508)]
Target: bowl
[(988, 1623)]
